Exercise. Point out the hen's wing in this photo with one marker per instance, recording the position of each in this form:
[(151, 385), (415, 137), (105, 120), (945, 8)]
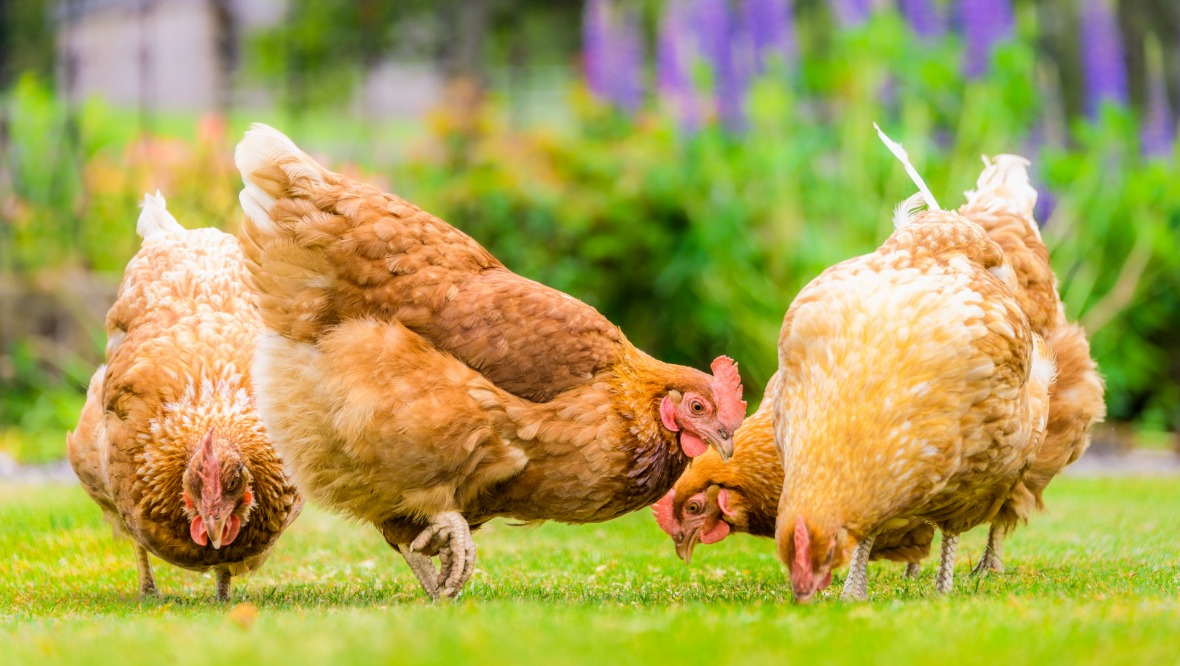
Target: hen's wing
[(87, 448), (323, 248), (1076, 403)]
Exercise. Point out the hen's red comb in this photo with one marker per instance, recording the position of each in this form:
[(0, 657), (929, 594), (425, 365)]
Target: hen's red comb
[(727, 390), (802, 548), (663, 512), (210, 469)]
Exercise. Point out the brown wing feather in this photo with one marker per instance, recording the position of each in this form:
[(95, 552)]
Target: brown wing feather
[(331, 249)]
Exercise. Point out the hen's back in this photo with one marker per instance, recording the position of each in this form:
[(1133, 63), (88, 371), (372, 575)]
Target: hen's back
[(324, 248)]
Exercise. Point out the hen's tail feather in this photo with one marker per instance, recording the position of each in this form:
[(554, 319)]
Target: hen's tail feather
[(291, 278), (271, 166), (155, 219), (1004, 186)]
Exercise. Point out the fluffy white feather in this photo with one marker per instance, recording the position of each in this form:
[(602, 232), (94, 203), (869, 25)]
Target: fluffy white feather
[(155, 219)]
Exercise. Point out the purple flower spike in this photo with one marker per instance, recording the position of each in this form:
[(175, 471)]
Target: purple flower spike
[(851, 13), (1102, 56), (1046, 204), (769, 29), (985, 23), (716, 31), (627, 63), (671, 62), (596, 37), (927, 19), (1158, 133), (673, 58)]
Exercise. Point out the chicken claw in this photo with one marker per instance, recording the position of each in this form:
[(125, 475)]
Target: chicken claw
[(856, 586), (423, 568), (449, 536)]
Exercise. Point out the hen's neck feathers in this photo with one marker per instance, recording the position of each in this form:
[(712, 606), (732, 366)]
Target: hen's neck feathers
[(753, 475), (641, 383)]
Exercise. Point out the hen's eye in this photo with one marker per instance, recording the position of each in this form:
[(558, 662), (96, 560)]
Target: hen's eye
[(694, 507), (696, 407)]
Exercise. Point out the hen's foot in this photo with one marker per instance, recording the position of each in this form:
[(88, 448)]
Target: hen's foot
[(147, 582), (449, 536), (856, 586), (991, 561), (946, 565), (223, 578), (912, 569), (423, 568)]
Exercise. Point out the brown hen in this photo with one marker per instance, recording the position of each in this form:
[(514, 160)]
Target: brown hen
[(911, 387), (414, 382), (169, 443)]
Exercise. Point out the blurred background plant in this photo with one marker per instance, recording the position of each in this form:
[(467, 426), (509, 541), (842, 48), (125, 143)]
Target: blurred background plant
[(683, 165)]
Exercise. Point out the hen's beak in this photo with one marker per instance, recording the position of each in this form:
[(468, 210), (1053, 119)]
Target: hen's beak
[(684, 546), (722, 443), (216, 531)]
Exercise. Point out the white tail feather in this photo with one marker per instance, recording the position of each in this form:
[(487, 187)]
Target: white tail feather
[(261, 146), (154, 218), (901, 154)]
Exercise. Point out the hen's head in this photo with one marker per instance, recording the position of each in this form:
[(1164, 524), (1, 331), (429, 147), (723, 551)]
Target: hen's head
[(217, 494), (703, 515), (811, 552), (707, 410)]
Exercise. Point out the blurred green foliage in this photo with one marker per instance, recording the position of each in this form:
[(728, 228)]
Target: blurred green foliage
[(694, 243)]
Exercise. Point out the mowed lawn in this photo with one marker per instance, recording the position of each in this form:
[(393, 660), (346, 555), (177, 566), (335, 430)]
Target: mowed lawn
[(1096, 579)]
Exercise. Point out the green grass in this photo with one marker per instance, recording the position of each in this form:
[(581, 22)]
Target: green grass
[(1096, 580)]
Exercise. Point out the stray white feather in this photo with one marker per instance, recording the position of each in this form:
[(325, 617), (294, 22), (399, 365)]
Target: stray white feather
[(154, 218), (895, 148)]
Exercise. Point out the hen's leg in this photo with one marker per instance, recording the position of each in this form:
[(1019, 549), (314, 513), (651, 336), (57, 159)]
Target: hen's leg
[(946, 566), (856, 586), (423, 568), (147, 582), (223, 578), (449, 535), (991, 560), (912, 569)]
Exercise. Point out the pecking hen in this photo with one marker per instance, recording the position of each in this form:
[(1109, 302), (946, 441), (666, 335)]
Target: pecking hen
[(713, 498), (911, 387), (169, 444), (412, 381), (1002, 204)]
